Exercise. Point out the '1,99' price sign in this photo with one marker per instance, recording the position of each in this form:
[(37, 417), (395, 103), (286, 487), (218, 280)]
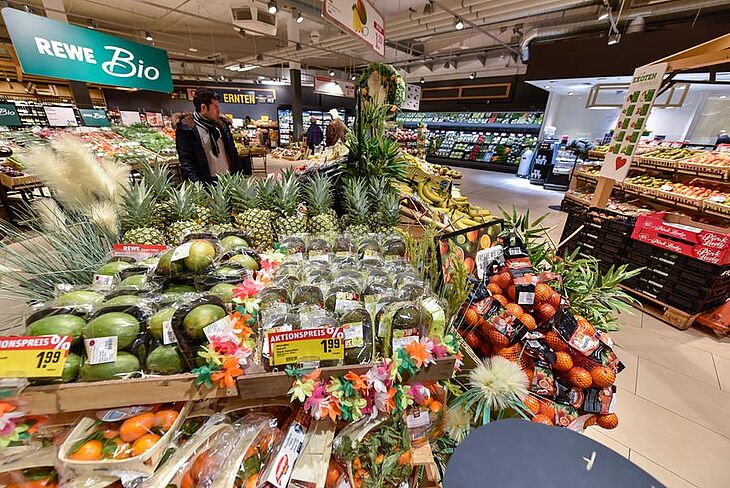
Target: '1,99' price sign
[(33, 357), (321, 344)]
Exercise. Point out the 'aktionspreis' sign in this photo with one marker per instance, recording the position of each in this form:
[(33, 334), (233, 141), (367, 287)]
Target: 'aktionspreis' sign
[(47, 47)]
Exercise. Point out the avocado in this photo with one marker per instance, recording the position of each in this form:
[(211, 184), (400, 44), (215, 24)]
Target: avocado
[(200, 317), (165, 360), (123, 325), (61, 324), (113, 268), (79, 297), (126, 363)]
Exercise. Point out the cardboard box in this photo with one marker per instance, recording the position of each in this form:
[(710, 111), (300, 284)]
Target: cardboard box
[(682, 235)]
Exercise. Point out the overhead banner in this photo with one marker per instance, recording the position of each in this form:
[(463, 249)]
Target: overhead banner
[(358, 18), (241, 97), (643, 92), (47, 47), (93, 117), (413, 98), (336, 88), (9, 115)]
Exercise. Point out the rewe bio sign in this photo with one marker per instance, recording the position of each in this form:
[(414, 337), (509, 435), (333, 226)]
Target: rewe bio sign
[(55, 49)]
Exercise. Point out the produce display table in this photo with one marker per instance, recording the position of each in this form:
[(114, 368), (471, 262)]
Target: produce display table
[(21, 185)]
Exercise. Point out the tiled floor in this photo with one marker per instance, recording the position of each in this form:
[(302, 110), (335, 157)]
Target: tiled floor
[(675, 390)]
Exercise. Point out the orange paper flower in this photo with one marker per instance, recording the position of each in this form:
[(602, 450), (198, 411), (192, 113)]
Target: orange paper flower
[(419, 353), (357, 381), (227, 375)]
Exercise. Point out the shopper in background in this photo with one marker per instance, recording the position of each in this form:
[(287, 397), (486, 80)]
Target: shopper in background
[(336, 130), (207, 150), (314, 134), (722, 138)]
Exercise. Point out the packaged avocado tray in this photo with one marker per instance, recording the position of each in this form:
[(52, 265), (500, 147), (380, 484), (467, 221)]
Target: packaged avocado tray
[(189, 322), (140, 465)]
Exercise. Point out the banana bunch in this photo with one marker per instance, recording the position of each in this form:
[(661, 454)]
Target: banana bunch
[(458, 211)]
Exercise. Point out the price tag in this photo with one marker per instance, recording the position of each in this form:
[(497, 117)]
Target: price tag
[(100, 350), (181, 252), (138, 252), (220, 328), (103, 282), (324, 343), (354, 336), (33, 357), (168, 335), (486, 256)]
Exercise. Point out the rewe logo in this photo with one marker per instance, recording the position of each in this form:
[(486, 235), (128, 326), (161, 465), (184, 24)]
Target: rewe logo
[(7, 112), (122, 65)]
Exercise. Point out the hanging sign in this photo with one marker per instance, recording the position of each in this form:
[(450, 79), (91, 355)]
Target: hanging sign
[(336, 88), (241, 97), (130, 117), (9, 115), (94, 118), (33, 356), (413, 98), (47, 47), (60, 116), (643, 92), (358, 18)]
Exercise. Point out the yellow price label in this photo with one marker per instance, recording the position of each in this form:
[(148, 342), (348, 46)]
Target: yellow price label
[(33, 357), (321, 344)]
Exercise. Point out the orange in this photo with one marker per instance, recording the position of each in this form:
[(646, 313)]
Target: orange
[(542, 419), (137, 426), (514, 309), (501, 299), (580, 377), (586, 326), (544, 312), (123, 449), (165, 418), (494, 289), (404, 458), (532, 403), (144, 443), (485, 327), (503, 280), (88, 451), (485, 242), (542, 293), (511, 353), (530, 372), (485, 350), (497, 339), (590, 421), (469, 264), (109, 433), (603, 377), (471, 317), (435, 406), (528, 320), (555, 300), (547, 408), (472, 338), (555, 342), (512, 292), (563, 361), (609, 421)]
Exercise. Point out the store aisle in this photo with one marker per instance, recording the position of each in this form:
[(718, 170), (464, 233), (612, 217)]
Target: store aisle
[(676, 385)]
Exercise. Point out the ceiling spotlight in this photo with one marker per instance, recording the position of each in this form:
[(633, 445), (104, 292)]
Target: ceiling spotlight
[(272, 7), (458, 25), (192, 50), (148, 36), (300, 18), (614, 39), (603, 15), (472, 76), (428, 8), (7, 79), (722, 97), (547, 87), (91, 24), (570, 94), (353, 77), (332, 73), (210, 77), (423, 80)]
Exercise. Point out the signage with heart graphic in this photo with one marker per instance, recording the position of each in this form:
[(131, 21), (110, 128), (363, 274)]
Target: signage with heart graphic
[(620, 163)]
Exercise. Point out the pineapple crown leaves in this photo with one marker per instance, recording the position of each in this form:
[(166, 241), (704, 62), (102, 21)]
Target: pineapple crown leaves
[(318, 193), (137, 203), (199, 193), (182, 202), (219, 204), (356, 199), (242, 193), (158, 178), (266, 193), (288, 193)]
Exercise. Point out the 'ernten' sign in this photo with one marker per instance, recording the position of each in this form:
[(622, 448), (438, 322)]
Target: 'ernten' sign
[(55, 49)]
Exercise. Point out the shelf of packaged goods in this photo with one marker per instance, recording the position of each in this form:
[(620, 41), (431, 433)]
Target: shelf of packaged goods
[(477, 126), (718, 209), (579, 200), (77, 397)]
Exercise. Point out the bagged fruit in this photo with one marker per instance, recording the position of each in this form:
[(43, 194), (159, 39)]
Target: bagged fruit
[(193, 322), (357, 327), (400, 324)]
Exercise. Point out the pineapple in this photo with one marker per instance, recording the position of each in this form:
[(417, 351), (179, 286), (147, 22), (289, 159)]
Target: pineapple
[(219, 209), (319, 196), (159, 180), (357, 207), (387, 216), (249, 201), (288, 197), (182, 210), (137, 208), (200, 203)]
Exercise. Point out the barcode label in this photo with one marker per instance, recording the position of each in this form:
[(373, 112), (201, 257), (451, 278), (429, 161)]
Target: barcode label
[(168, 335), (101, 350), (182, 251), (102, 282), (526, 298), (219, 328)]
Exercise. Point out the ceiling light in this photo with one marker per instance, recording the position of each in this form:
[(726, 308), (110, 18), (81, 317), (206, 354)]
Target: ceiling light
[(7, 79), (223, 78), (148, 36), (300, 18), (353, 77), (547, 87), (192, 50), (723, 97), (472, 76), (428, 8), (272, 7), (91, 24), (603, 15), (210, 77), (423, 80), (458, 25), (332, 73), (570, 94), (614, 39)]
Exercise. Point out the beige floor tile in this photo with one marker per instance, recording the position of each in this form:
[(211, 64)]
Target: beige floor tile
[(669, 479), (694, 453), (683, 395), (722, 365), (671, 353), (596, 434), (626, 379), (695, 337), (631, 318)]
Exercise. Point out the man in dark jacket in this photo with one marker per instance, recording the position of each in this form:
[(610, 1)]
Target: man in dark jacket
[(206, 149), (314, 134)]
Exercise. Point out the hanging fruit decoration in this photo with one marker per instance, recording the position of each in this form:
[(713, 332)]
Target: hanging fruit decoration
[(382, 84)]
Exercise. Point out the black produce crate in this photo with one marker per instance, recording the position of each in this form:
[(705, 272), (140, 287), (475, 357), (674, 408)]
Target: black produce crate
[(694, 306)]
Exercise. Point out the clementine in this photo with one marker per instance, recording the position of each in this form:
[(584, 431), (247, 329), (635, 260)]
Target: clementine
[(563, 361), (88, 451), (580, 377), (542, 419), (609, 421), (603, 377), (144, 443), (135, 427)]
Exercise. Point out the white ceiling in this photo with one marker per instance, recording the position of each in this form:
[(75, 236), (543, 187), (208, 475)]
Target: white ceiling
[(420, 42)]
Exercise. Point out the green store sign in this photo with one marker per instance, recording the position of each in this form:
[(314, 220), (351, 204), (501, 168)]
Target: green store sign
[(94, 118), (9, 115), (47, 47)]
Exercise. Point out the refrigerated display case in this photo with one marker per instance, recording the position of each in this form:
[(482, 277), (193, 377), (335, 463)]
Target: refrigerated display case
[(286, 122)]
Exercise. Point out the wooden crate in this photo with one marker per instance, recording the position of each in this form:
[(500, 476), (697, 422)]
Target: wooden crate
[(666, 313)]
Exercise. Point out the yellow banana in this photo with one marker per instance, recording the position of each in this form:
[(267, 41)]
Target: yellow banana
[(422, 193), (431, 194)]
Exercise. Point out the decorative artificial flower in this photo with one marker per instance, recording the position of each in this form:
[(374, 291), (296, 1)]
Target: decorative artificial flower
[(330, 408), (248, 289), (459, 362), (385, 402), (8, 422), (230, 370), (225, 345), (314, 402), (357, 381), (420, 352), (406, 364), (439, 349), (498, 382), (203, 375), (419, 393), (334, 388), (352, 408), (457, 423), (304, 386), (210, 355), (377, 377)]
